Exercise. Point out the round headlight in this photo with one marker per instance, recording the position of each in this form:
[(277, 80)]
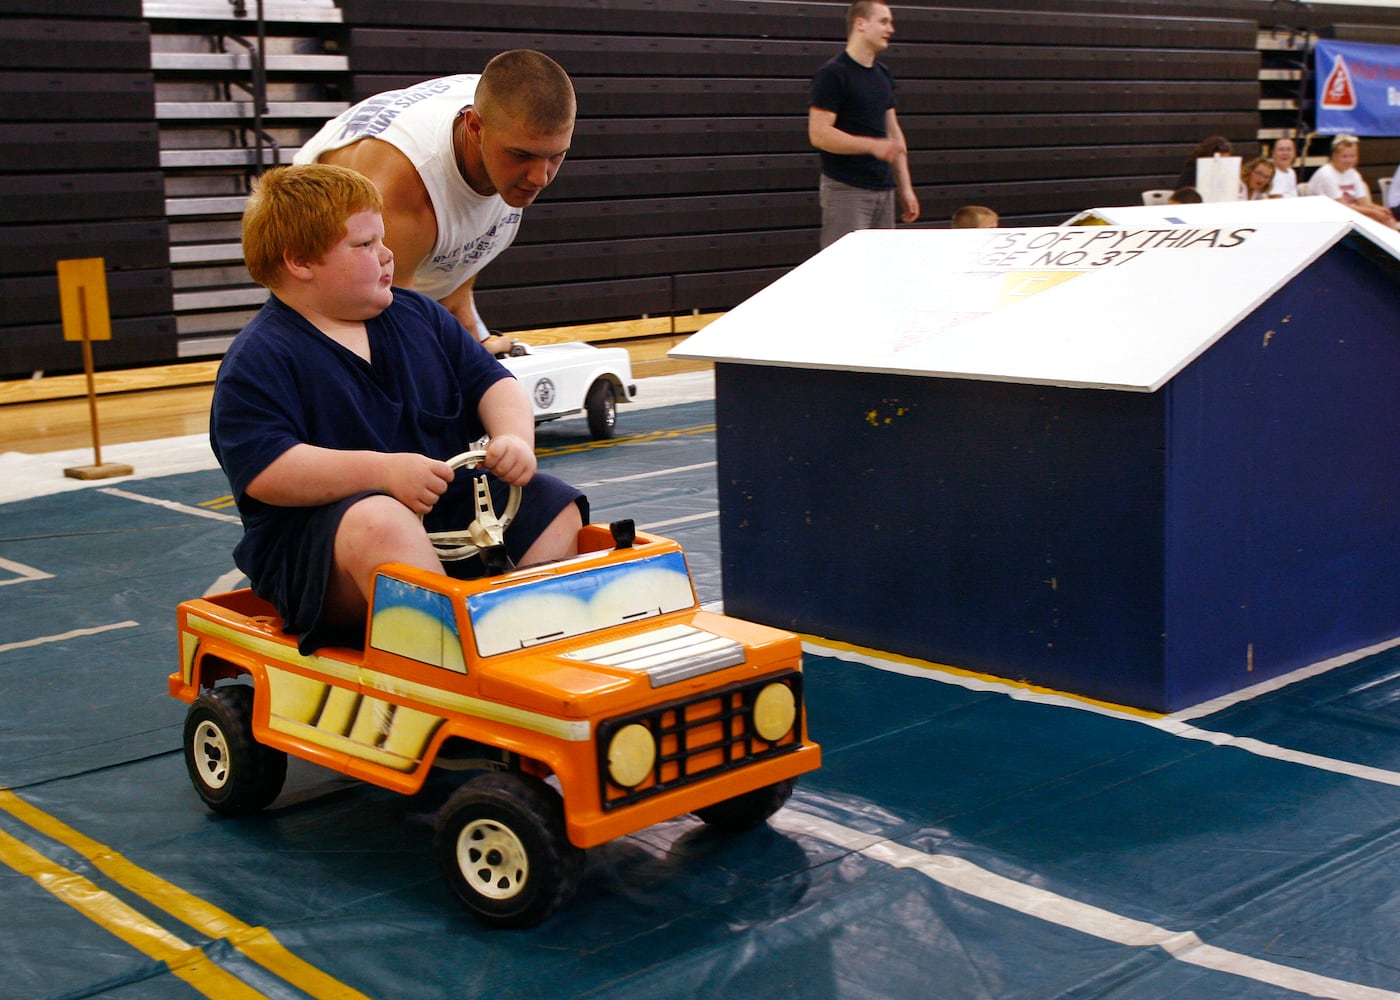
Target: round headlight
[(774, 712), (631, 755)]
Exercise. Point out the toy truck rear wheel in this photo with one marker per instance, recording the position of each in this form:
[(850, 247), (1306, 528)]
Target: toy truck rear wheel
[(501, 844), (233, 773), (748, 810)]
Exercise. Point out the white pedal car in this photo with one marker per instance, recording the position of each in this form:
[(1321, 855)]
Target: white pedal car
[(564, 379)]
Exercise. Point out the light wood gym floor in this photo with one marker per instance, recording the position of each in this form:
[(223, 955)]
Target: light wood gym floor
[(146, 404)]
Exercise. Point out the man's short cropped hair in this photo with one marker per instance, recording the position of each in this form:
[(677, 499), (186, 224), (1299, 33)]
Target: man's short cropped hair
[(301, 211), (859, 9), (530, 87)]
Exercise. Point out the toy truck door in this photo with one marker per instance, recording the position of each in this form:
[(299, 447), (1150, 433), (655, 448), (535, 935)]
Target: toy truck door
[(413, 659)]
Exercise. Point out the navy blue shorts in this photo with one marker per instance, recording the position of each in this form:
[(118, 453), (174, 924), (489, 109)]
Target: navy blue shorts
[(295, 582)]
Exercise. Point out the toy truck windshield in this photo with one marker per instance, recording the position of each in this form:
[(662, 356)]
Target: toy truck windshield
[(562, 606)]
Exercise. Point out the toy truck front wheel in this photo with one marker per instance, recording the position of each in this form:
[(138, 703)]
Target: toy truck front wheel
[(233, 773), (502, 847)]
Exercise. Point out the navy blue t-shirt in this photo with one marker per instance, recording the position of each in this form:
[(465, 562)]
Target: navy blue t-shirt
[(860, 96), (283, 382)]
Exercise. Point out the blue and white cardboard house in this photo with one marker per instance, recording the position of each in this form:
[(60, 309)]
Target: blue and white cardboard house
[(1152, 460)]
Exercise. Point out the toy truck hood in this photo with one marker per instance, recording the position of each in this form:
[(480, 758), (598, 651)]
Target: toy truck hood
[(603, 673)]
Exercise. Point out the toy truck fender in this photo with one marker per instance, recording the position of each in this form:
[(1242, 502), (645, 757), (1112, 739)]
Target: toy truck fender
[(228, 637)]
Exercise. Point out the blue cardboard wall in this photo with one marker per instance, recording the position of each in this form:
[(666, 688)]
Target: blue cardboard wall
[(1285, 484), (1148, 549), (1005, 528)]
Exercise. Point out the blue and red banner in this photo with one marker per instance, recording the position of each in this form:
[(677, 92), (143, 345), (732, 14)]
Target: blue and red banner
[(1358, 88)]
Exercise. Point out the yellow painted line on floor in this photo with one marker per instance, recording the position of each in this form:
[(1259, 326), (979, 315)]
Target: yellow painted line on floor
[(970, 679), (257, 943), (570, 449), (184, 960)]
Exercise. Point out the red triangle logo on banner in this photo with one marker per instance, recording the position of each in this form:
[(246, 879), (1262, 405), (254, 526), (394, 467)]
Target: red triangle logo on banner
[(1338, 94)]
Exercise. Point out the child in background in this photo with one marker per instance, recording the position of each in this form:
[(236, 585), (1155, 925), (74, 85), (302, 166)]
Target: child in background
[(1256, 179), (975, 217)]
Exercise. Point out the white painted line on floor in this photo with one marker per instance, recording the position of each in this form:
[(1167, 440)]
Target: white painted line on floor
[(23, 573), (228, 581), (647, 475), (171, 505), (688, 519), (1282, 681), (1275, 752), (1171, 725), (76, 633), (1041, 904)]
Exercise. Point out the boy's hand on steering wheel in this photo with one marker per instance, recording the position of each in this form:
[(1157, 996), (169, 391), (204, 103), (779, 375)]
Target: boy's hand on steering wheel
[(511, 458), (416, 481)]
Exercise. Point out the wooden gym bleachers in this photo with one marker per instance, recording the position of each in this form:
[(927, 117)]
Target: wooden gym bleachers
[(80, 177), (690, 184)]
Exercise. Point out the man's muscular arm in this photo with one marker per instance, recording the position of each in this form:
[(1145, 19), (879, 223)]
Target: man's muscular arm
[(824, 135), (410, 227), (462, 304)]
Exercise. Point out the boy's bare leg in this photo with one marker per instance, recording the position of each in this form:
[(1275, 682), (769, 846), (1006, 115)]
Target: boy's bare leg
[(558, 541), (373, 532)]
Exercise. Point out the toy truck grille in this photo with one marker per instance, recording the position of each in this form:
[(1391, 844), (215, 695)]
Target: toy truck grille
[(688, 740)]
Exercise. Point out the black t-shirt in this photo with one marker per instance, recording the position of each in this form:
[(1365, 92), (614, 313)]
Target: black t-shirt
[(860, 96)]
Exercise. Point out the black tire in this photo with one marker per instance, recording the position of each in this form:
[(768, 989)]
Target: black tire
[(502, 847), (601, 406), (233, 773), (744, 812)]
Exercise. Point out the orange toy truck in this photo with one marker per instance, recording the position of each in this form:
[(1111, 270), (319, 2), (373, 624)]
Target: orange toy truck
[(591, 698)]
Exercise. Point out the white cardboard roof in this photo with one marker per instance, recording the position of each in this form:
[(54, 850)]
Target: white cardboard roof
[(1124, 305)]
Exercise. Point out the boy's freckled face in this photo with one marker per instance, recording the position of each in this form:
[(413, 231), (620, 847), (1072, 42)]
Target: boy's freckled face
[(355, 275)]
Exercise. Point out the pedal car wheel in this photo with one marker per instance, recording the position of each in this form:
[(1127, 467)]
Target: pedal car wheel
[(746, 811), (232, 772), (501, 844), (601, 406)]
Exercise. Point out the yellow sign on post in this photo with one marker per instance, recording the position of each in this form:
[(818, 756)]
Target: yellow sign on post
[(82, 296)]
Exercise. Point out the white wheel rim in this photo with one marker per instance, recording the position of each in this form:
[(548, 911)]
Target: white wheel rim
[(211, 754), (492, 859)]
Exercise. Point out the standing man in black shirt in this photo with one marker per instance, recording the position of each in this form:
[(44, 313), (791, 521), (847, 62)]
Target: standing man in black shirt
[(851, 119)]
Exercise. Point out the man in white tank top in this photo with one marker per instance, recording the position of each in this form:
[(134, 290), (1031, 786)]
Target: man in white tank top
[(456, 159)]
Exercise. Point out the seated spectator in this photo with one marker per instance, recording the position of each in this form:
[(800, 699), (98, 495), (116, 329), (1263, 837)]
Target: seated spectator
[(975, 217), (1284, 153), (1185, 196), (1256, 179), (1211, 145), (1339, 179)]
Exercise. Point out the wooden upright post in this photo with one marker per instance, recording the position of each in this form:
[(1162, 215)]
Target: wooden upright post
[(82, 294)]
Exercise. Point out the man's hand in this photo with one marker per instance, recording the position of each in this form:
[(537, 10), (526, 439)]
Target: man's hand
[(416, 481), (889, 149), (512, 459), (909, 206)]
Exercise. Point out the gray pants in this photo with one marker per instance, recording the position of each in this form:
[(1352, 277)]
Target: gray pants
[(846, 209)]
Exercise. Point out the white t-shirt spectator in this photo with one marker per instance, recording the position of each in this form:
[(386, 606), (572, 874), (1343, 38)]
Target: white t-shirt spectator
[(1285, 183), (1334, 183)]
